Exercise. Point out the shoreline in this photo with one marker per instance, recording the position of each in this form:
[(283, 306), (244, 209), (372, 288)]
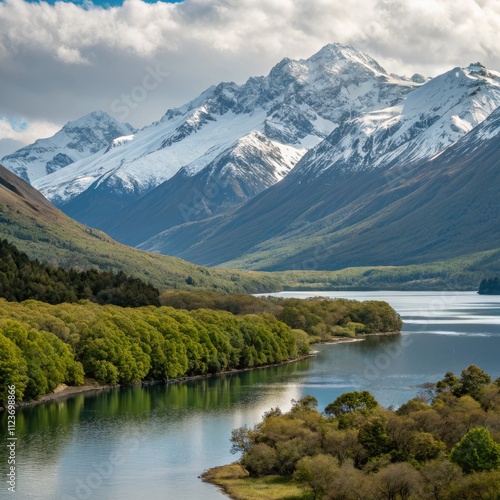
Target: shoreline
[(68, 391), (361, 338), (92, 386), (234, 481)]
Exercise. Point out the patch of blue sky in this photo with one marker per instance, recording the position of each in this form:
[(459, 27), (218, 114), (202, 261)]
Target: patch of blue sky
[(100, 3), (16, 125)]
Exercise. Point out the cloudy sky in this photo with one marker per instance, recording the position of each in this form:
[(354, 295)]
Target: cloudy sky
[(61, 60)]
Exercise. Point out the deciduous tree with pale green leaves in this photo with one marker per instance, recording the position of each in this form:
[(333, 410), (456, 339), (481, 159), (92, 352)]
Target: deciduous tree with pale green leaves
[(477, 451)]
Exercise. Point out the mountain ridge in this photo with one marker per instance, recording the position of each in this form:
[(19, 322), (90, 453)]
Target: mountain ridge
[(293, 222), (297, 104), (76, 140), (326, 162)]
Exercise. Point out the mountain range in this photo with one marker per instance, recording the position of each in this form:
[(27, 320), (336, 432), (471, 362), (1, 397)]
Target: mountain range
[(325, 163), (292, 109), (78, 139)]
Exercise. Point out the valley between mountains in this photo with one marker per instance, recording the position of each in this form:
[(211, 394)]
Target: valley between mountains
[(329, 170)]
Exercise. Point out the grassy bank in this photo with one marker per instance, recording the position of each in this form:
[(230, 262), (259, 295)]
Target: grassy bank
[(235, 482)]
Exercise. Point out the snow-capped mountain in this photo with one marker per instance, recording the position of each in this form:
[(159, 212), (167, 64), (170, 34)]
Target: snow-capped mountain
[(297, 105), (424, 123), (377, 191), (248, 167), (77, 140)]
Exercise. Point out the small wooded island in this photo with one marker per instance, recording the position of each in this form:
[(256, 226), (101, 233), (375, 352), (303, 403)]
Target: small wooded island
[(489, 286), (442, 445), (116, 330)]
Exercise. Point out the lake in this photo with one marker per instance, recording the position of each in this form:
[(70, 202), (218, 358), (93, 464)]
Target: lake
[(154, 441)]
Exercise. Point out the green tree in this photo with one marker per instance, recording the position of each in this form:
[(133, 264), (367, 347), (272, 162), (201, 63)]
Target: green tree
[(13, 369), (424, 446), (374, 438), (351, 402), (472, 382), (399, 480), (261, 460), (477, 486), (316, 473), (477, 451), (450, 383), (438, 476)]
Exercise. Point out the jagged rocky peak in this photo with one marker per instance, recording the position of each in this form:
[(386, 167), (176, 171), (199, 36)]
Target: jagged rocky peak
[(298, 104), (332, 68), (94, 131), (418, 78), (346, 54), (424, 123), (478, 69)]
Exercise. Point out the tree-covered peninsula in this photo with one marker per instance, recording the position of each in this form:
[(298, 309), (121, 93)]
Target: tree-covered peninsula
[(442, 445), (44, 345)]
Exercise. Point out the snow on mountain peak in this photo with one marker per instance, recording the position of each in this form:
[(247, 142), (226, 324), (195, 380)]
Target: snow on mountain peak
[(94, 117), (479, 70), (339, 53), (119, 141), (296, 105), (77, 139), (425, 122)]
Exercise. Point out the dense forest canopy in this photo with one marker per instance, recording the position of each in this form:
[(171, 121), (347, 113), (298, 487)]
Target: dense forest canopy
[(22, 278), (44, 345), (442, 445), (320, 318), (57, 326), (490, 286)]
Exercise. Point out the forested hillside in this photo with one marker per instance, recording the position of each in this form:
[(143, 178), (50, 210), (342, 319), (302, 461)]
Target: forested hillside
[(22, 278), (34, 226)]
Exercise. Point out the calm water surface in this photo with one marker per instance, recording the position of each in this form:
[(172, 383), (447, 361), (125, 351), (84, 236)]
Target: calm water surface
[(152, 442)]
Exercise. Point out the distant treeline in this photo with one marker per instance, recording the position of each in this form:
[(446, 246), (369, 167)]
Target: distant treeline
[(442, 445), (22, 278), (489, 286), (43, 345), (320, 318)]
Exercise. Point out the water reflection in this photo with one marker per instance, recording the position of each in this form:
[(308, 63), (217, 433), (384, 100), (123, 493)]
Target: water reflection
[(154, 441), (170, 432)]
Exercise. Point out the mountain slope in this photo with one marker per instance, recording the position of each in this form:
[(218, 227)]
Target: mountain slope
[(406, 213), (77, 140), (32, 224), (297, 105), (244, 170), (43, 232)]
